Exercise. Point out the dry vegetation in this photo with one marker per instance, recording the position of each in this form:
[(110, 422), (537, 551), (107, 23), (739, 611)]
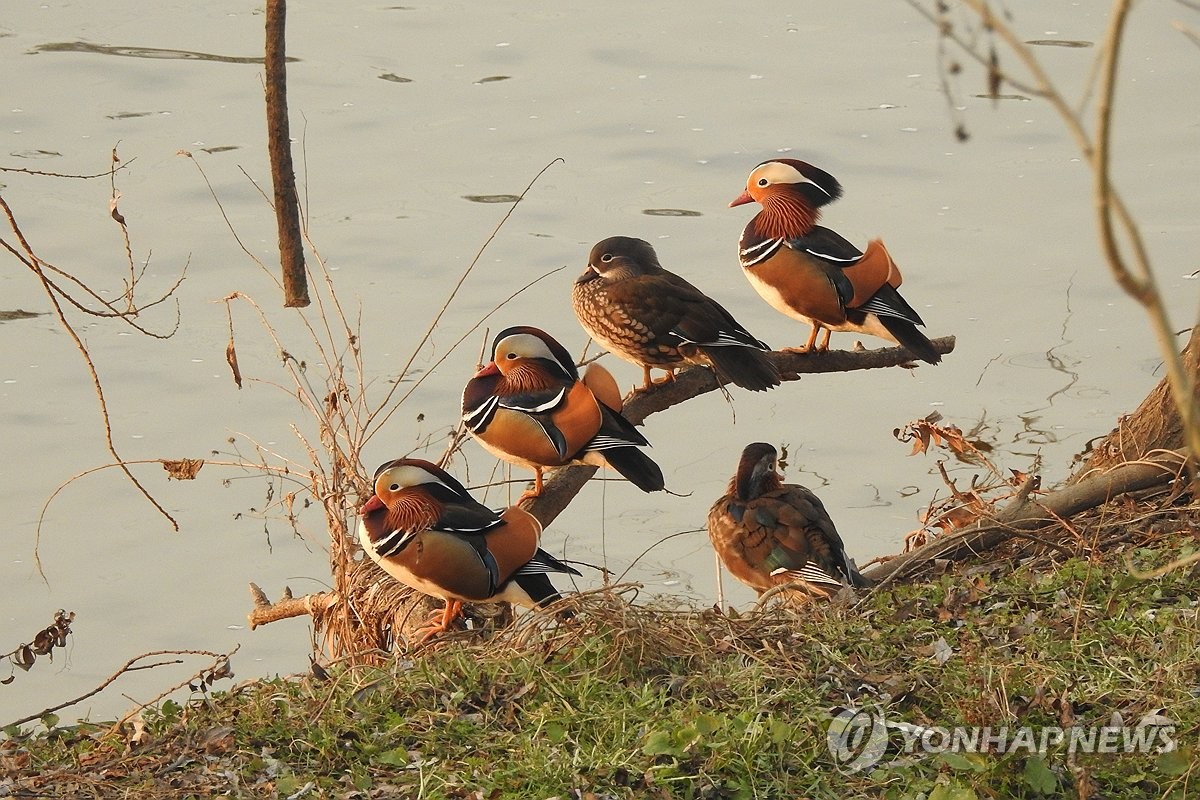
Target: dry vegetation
[(630, 699)]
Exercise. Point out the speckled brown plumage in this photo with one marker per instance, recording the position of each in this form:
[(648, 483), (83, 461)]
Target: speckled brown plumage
[(651, 317), (769, 533)]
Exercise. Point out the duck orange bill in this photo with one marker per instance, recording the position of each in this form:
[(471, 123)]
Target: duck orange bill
[(490, 369), (374, 504), (741, 199)]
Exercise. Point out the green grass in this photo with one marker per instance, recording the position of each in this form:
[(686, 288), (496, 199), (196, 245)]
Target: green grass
[(654, 702)]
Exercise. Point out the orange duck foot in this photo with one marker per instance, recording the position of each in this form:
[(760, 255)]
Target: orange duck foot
[(536, 491), (647, 381), (811, 345), (440, 621)]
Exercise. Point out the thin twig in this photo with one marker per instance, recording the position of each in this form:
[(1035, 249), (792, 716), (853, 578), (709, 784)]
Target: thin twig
[(126, 667), (378, 423)]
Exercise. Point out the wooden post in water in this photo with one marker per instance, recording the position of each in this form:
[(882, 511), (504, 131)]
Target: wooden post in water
[(279, 147)]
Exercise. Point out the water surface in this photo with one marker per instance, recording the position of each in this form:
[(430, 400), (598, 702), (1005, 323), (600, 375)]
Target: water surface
[(415, 127)]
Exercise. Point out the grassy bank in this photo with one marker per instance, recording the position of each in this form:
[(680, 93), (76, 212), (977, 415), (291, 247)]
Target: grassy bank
[(635, 700)]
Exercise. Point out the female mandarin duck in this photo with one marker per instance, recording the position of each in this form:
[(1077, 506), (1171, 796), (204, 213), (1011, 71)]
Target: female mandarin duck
[(424, 529), (768, 532), (641, 312), (528, 406), (812, 274)]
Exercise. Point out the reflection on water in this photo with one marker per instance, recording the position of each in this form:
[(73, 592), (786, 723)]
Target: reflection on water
[(492, 198), (1058, 43), (17, 313), (670, 212), (133, 114), (143, 52)]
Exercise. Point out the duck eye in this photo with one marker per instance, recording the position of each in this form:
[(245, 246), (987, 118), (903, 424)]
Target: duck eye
[(511, 356), (395, 487), (763, 181), (607, 257)]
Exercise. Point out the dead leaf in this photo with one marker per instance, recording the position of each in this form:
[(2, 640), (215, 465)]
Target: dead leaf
[(231, 357), (925, 431), (112, 209), (219, 740), (185, 469), (139, 731)]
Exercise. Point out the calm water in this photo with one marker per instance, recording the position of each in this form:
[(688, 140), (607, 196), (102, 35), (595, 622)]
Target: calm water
[(403, 112)]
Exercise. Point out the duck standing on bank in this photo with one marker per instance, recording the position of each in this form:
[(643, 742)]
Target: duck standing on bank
[(810, 272), (426, 531), (769, 533)]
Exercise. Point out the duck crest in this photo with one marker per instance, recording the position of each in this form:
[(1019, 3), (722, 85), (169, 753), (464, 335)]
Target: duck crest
[(756, 474)]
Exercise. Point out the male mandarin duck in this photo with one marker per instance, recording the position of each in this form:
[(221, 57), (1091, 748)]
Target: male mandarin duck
[(811, 273), (768, 532), (530, 407), (642, 313), (426, 531)]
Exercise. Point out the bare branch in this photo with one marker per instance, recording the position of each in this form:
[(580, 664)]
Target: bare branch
[(128, 666), (279, 147), (563, 484), (1024, 513)]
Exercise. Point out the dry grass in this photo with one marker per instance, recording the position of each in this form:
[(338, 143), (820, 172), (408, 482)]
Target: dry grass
[(635, 699)]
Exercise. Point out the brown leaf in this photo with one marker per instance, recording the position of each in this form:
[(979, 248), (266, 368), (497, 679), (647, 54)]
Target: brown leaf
[(43, 643), (23, 657), (218, 740), (184, 469), (231, 357), (955, 518), (112, 209)]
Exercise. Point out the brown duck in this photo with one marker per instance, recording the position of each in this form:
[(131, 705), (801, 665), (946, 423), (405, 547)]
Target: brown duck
[(769, 533), (645, 314)]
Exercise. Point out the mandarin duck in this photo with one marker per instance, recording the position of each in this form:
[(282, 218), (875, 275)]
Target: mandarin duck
[(642, 313), (767, 532), (530, 407), (426, 531), (811, 273)]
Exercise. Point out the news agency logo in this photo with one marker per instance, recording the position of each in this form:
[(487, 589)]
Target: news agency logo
[(863, 738), (858, 738)]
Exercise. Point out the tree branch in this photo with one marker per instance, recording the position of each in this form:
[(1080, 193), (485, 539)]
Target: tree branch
[(266, 612), (1024, 513), (564, 483), (279, 148)]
